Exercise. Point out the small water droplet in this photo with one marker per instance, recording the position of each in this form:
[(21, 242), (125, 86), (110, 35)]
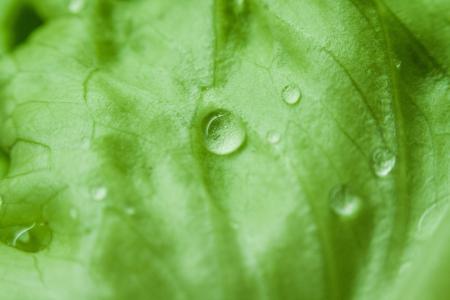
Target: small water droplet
[(223, 132), (31, 238), (100, 193), (343, 202), (273, 137), (291, 94), (431, 218), (383, 161), (398, 64), (85, 143), (75, 6)]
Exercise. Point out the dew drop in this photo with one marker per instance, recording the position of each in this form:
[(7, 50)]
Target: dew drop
[(273, 137), (383, 161), (431, 218), (31, 238), (100, 193), (223, 132), (291, 94), (343, 202)]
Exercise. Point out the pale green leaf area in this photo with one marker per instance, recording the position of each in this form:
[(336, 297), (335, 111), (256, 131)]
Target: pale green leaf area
[(222, 150)]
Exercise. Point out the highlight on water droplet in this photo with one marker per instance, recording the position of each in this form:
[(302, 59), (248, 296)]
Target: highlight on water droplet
[(343, 202), (291, 94), (100, 193), (30, 238), (75, 6), (431, 218), (223, 132), (273, 137), (383, 161)]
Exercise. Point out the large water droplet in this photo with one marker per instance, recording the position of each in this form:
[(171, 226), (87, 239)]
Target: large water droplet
[(31, 238), (223, 132), (383, 161), (431, 219), (343, 202), (291, 94)]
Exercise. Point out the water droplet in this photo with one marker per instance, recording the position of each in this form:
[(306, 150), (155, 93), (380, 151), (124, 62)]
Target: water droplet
[(405, 268), (131, 211), (343, 202), (85, 143), (398, 64), (383, 161), (238, 6), (291, 94), (73, 213), (75, 6), (431, 219), (223, 132), (273, 137), (32, 238), (100, 193)]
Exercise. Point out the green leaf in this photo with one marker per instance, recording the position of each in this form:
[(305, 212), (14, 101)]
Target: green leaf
[(214, 149)]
